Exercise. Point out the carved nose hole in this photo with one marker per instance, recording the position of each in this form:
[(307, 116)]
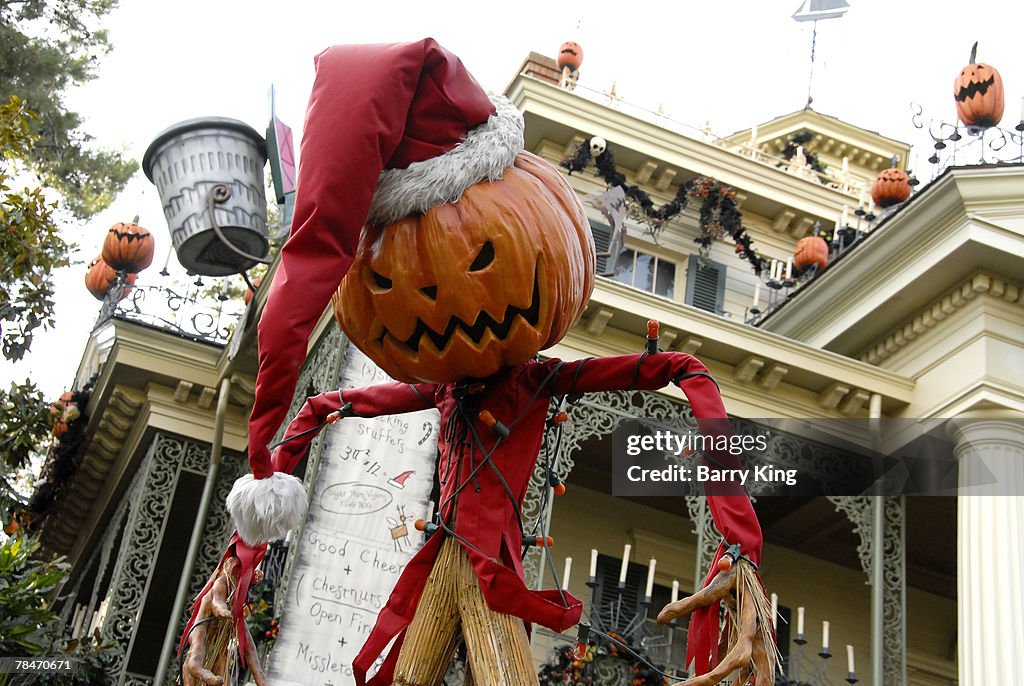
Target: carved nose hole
[(430, 292)]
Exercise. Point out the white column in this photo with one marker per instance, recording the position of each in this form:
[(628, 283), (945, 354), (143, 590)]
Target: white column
[(990, 549)]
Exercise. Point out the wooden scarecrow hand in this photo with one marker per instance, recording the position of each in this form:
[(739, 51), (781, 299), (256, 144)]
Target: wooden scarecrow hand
[(749, 654), (207, 660)]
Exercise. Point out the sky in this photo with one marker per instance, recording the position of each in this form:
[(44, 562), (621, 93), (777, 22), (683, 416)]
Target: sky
[(730, 64)]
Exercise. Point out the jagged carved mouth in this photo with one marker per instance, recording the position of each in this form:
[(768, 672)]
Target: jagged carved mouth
[(975, 88), (475, 331)]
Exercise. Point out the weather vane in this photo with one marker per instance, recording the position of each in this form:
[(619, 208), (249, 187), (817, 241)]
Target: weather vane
[(813, 10)]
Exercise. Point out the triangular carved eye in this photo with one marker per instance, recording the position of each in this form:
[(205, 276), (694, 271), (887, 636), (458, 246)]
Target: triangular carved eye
[(483, 258)]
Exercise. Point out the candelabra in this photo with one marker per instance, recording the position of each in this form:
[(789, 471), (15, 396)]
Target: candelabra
[(802, 669), (627, 630), (979, 145)]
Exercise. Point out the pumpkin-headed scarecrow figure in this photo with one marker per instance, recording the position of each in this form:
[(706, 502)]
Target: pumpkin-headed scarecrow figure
[(459, 257)]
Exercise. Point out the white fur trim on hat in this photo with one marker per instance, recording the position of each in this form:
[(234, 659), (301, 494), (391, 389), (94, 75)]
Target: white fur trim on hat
[(485, 153), (266, 509)]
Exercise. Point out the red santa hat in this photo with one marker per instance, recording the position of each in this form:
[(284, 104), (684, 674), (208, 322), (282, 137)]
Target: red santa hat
[(390, 130)]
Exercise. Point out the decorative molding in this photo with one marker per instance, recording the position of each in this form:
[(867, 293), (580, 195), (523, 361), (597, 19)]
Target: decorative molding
[(707, 537), (830, 397), (929, 316), (206, 396), (748, 369), (666, 337), (782, 220), (665, 179), (243, 389), (771, 376), (182, 391), (62, 529), (854, 403), (858, 509), (644, 173), (149, 502), (598, 321), (690, 345), (801, 227)]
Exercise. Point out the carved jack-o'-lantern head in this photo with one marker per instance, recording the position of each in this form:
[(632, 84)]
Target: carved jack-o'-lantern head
[(570, 55), (811, 250), (101, 276), (128, 247), (890, 187), (470, 287), (978, 91)]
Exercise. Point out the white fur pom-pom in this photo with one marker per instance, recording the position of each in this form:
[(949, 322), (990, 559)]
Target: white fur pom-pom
[(266, 509)]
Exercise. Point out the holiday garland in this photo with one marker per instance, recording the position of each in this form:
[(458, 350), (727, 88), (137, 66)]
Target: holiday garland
[(797, 140), (719, 215), (566, 669)]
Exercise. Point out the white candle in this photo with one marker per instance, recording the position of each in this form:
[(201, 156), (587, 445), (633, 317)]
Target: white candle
[(849, 659), (565, 575), (650, 578), (757, 294), (76, 622), (1022, 109), (846, 165), (842, 222), (824, 634), (625, 565), (789, 268), (593, 563), (753, 133), (430, 511), (675, 590), (775, 610), (799, 621)]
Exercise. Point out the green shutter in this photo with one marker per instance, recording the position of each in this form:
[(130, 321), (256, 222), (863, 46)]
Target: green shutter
[(705, 285), (602, 238)]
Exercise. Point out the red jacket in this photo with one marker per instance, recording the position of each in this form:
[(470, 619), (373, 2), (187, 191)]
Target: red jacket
[(487, 519)]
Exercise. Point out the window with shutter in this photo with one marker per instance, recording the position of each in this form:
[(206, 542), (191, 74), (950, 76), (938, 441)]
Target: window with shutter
[(602, 238), (633, 267), (705, 285)]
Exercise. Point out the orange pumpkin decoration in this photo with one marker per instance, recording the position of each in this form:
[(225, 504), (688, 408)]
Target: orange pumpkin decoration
[(570, 55), (810, 250), (101, 275), (978, 92), (891, 187), (470, 287), (128, 247)]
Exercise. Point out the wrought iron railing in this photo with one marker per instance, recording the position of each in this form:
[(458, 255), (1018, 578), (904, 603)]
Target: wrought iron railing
[(183, 311), (955, 144)]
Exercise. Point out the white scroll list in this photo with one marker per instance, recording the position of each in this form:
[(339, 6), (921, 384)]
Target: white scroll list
[(374, 483)]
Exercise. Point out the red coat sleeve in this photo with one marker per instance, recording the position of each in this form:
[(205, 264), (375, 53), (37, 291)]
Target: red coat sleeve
[(729, 503), (370, 401)]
